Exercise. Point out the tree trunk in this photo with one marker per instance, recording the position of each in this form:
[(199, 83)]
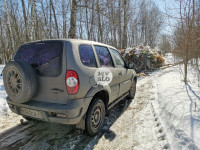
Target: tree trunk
[(100, 36), (124, 43), (87, 20), (2, 45), (54, 14), (92, 23), (119, 24), (64, 18), (50, 21), (33, 18), (72, 29), (185, 70), (25, 20), (47, 33), (8, 24)]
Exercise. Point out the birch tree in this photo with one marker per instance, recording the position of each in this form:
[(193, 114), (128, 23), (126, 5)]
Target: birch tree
[(120, 23), (64, 17), (25, 19), (33, 19), (8, 25), (72, 29), (124, 43)]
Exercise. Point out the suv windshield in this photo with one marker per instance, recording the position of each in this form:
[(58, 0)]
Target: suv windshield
[(44, 57)]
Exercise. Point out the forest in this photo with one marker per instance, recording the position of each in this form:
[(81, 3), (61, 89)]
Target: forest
[(120, 23)]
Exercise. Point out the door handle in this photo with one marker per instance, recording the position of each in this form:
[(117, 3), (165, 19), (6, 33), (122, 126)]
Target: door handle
[(55, 90), (120, 73)]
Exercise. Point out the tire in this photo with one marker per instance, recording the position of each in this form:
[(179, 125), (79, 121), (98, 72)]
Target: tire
[(20, 81), (95, 117), (132, 90)]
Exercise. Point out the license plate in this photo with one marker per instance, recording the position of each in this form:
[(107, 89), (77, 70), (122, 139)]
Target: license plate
[(31, 113)]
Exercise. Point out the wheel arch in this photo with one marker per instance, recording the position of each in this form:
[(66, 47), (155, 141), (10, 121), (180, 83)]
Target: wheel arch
[(104, 95)]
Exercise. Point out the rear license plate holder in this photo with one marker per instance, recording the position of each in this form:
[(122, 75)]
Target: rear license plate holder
[(31, 113)]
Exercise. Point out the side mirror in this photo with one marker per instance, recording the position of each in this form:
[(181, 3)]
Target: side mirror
[(126, 62), (130, 66)]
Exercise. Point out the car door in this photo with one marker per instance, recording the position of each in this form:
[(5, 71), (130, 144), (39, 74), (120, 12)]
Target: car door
[(46, 58), (105, 61), (123, 73)]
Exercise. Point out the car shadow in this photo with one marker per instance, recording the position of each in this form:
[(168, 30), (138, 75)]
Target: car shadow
[(43, 135)]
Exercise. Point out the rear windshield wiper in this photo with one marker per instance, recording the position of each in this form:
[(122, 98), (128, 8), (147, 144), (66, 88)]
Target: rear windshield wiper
[(46, 64)]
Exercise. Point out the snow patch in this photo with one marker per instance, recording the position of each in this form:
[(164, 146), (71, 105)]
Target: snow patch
[(178, 108), (3, 95)]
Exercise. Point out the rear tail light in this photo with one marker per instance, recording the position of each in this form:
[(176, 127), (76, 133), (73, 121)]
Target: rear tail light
[(72, 82)]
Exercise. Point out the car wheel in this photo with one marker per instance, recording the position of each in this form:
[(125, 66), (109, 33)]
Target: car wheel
[(132, 90), (20, 81), (95, 117)]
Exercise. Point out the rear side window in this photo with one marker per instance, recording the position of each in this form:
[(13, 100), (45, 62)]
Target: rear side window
[(44, 57), (87, 56), (104, 56)]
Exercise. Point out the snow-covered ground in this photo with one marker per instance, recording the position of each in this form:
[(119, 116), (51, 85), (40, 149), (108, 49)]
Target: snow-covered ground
[(172, 123), (178, 108), (165, 114), (169, 59), (7, 118), (3, 104), (137, 127)]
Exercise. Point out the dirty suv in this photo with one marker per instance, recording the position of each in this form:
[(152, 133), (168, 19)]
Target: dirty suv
[(67, 81)]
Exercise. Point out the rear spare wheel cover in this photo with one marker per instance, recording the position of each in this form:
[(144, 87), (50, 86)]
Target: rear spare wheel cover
[(20, 81)]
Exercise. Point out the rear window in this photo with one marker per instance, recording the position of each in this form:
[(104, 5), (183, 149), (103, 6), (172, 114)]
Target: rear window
[(44, 57)]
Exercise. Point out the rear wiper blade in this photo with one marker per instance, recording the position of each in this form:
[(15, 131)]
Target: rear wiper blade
[(39, 43), (46, 64)]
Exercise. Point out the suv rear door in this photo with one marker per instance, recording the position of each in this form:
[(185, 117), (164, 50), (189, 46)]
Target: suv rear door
[(46, 58)]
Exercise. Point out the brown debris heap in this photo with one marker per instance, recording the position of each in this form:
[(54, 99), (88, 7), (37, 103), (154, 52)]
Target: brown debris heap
[(144, 58)]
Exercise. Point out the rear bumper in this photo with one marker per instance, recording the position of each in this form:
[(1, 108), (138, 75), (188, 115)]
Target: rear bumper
[(59, 113)]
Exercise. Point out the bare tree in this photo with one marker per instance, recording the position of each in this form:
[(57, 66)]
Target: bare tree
[(8, 24), (124, 43), (25, 19), (184, 42), (114, 22), (55, 19), (33, 19), (119, 25), (72, 29), (165, 44), (64, 18)]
